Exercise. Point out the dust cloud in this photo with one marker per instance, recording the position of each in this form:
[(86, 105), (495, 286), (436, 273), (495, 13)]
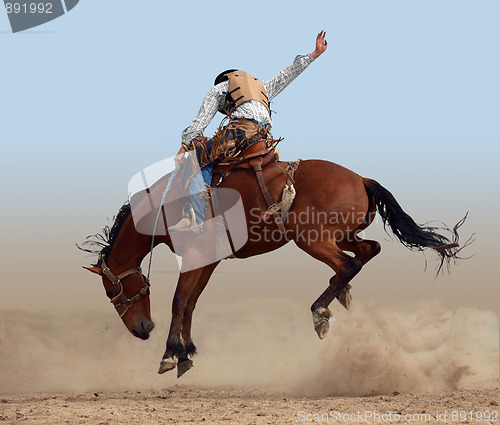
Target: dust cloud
[(269, 344)]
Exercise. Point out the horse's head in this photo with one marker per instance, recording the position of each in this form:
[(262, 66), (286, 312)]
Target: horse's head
[(129, 293)]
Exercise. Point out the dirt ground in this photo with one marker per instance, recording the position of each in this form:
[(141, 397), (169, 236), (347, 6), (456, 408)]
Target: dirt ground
[(260, 364), (185, 404)]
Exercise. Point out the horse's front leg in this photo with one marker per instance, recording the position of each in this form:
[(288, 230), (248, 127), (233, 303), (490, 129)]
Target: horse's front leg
[(175, 343), (185, 363)]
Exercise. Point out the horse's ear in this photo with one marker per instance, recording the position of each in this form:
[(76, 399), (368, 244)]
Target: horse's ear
[(94, 268)]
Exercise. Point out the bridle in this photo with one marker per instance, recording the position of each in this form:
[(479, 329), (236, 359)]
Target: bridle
[(120, 301)]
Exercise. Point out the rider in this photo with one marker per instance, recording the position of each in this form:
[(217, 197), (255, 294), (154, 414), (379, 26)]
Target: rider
[(248, 116)]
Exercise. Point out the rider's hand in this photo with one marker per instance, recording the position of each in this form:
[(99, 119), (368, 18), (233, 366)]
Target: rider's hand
[(180, 155), (321, 45)]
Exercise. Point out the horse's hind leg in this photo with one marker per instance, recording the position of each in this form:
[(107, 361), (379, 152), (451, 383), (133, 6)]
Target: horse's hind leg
[(345, 267), (364, 251)]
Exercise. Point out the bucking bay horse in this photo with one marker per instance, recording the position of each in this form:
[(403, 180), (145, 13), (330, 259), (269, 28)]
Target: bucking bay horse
[(331, 207)]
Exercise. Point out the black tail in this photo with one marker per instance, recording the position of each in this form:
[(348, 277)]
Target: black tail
[(409, 233)]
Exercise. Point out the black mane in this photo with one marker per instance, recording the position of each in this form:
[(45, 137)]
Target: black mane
[(102, 244)]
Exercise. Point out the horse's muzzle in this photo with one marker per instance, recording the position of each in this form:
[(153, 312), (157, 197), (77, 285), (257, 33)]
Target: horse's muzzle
[(143, 330)]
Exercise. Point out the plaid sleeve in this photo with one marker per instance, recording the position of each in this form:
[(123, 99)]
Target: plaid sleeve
[(275, 85), (213, 101)]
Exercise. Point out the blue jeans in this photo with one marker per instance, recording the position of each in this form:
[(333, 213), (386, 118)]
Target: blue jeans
[(198, 183), (205, 178)]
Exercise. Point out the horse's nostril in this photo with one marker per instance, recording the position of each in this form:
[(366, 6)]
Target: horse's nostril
[(147, 326), (140, 334)]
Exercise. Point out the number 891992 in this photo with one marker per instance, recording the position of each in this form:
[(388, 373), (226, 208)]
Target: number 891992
[(28, 8)]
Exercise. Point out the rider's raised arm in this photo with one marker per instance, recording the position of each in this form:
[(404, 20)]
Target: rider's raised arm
[(321, 45), (275, 85), (213, 101)]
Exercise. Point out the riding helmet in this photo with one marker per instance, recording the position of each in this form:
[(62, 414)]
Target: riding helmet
[(223, 76)]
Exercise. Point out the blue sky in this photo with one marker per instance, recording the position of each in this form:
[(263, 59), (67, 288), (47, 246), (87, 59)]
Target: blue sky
[(407, 93), (398, 77)]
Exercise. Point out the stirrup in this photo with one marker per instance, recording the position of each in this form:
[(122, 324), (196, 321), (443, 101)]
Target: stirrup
[(193, 216), (190, 216)]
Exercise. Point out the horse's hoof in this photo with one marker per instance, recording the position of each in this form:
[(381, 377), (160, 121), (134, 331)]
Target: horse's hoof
[(166, 365), (345, 297), (183, 367), (321, 316)]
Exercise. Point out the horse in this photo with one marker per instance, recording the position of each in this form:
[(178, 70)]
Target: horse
[(331, 207)]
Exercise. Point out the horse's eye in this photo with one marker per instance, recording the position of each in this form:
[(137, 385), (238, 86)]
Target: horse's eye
[(109, 294)]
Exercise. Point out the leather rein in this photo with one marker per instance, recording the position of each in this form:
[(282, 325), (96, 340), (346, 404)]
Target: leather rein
[(120, 301)]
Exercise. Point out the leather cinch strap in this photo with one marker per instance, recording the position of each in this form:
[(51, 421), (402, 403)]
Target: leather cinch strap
[(256, 164), (286, 202)]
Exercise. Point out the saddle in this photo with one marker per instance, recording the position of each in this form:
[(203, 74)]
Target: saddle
[(257, 150), (255, 157)]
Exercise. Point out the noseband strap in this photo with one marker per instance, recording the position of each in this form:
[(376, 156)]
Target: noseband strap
[(120, 301)]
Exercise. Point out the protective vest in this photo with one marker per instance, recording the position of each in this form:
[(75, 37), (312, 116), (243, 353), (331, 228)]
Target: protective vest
[(242, 88)]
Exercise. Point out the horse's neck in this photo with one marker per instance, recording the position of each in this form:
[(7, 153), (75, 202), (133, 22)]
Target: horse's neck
[(130, 246)]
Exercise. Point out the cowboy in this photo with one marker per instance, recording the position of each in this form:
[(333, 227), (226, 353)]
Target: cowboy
[(245, 100)]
